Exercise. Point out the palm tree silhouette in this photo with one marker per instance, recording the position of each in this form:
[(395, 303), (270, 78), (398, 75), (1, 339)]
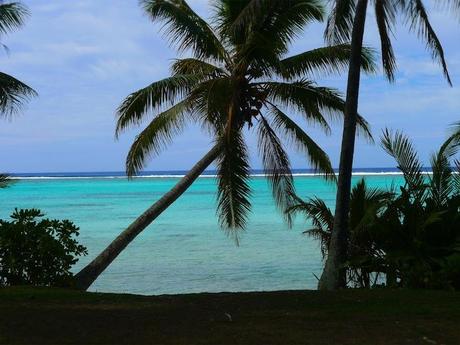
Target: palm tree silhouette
[(346, 23), (13, 93), (239, 81)]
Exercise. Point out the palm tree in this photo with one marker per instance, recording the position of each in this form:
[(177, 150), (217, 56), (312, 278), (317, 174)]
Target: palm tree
[(239, 78), (366, 206), (13, 93), (346, 23)]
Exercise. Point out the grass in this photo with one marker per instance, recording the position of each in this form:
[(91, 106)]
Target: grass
[(53, 316)]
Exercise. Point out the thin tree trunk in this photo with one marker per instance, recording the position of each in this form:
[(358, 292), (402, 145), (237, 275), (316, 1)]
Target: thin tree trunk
[(89, 274), (334, 273)]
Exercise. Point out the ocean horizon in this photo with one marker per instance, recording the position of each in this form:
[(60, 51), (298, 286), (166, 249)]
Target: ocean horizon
[(206, 173), (184, 250)]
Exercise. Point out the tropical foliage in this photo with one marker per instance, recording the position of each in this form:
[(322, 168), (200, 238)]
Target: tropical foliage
[(240, 81), (35, 251), (408, 238), (412, 13), (346, 23), (13, 93), (4, 181)]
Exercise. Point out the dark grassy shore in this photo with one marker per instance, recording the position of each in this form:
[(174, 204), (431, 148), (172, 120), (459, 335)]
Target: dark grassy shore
[(50, 316)]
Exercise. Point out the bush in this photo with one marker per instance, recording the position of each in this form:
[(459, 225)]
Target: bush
[(37, 251), (409, 238)]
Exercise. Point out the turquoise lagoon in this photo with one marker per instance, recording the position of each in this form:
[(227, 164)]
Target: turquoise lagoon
[(184, 250)]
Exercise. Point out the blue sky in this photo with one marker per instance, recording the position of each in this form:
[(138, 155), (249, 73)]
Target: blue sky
[(85, 56)]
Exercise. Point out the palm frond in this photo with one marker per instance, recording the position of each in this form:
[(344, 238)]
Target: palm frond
[(401, 149), (325, 60), (233, 188), (340, 22), (385, 14), (12, 16), (419, 22), (456, 177), (264, 30), (287, 18), (454, 138), (312, 101), (321, 235), (13, 95), (316, 210), (279, 20), (211, 100), (442, 181), (320, 214), (185, 28), (362, 193), (151, 98), (452, 6), (5, 181), (365, 205), (191, 66), (304, 97), (302, 142), (277, 166), (156, 136), (321, 218)]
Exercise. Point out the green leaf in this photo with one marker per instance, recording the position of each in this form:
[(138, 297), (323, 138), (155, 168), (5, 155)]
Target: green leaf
[(152, 98), (185, 28), (233, 184), (277, 166), (13, 94), (325, 60), (401, 149), (340, 22), (315, 155), (156, 136), (12, 17), (418, 20), (385, 14)]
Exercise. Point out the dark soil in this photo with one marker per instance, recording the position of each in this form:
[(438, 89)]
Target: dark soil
[(53, 316)]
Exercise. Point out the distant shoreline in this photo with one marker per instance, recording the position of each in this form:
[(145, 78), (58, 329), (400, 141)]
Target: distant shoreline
[(180, 174)]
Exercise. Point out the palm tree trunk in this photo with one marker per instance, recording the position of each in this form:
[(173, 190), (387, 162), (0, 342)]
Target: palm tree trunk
[(334, 273), (89, 274)]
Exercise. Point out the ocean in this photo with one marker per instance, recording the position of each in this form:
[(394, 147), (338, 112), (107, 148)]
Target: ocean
[(184, 250)]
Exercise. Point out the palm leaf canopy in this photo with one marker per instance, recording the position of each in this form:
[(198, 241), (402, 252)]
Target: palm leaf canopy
[(366, 205), (444, 180), (5, 181), (13, 93), (387, 12), (237, 75), (12, 17)]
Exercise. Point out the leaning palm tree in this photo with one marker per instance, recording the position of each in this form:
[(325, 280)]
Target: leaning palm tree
[(239, 80), (346, 23), (13, 93)]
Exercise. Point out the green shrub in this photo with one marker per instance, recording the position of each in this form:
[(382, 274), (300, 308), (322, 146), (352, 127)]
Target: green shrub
[(37, 251)]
